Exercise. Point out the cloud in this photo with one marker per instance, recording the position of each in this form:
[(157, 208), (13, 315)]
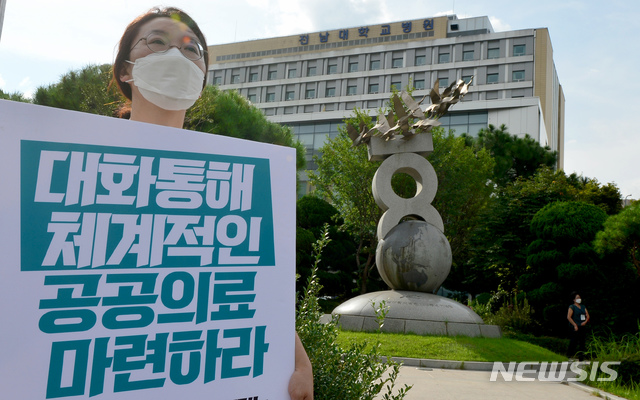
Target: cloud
[(25, 82), (2, 82), (498, 25)]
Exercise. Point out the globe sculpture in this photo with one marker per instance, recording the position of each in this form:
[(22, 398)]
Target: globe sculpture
[(413, 254)]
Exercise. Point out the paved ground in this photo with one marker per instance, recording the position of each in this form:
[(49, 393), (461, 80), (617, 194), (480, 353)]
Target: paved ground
[(453, 384)]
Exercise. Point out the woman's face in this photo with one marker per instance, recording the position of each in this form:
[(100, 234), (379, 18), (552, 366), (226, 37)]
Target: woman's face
[(177, 33)]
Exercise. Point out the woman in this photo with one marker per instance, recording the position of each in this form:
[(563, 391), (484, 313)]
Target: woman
[(161, 68), (578, 316)]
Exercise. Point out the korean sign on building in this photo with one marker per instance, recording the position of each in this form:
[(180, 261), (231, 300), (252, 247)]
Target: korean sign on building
[(365, 32), (141, 260)]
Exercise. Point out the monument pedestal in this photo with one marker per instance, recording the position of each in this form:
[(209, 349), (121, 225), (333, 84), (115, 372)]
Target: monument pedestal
[(413, 312)]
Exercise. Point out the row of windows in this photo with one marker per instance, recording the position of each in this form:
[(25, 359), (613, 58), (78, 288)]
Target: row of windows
[(396, 62), (419, 84)]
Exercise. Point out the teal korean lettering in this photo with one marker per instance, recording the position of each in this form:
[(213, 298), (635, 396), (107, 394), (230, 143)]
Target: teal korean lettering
[(188, 285), (83, 172), (74, 295), (133, 307), (180, 183), (117, 173), (80, 351), (218, 188), (233, 288), (185, 346), (182, 239), (132, 357), (235, 361)]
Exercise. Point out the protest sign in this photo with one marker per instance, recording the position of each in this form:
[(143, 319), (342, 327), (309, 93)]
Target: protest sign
[(142, 261)]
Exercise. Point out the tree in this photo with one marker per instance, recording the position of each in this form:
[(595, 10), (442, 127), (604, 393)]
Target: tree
[(607, 197), (622, 233), (344, 178), (227, 113), (515, 157), (498, 255), (562, 259), (463, 193), (15, 96), (337, 268), (86, 90)]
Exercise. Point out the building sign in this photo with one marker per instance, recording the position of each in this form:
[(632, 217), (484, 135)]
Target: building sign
[(141, 260), (366, 32)]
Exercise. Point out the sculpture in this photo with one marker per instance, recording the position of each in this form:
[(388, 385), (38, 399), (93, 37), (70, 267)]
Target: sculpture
[(413, 254)]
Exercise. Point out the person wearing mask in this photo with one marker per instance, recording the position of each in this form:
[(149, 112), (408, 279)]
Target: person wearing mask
[(161, 68), (578, 317)]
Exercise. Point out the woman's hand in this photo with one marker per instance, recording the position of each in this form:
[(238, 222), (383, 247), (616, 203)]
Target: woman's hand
[(301, 381), (301, 385)]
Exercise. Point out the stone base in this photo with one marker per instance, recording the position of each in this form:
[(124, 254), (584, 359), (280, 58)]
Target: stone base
[(413, 312)]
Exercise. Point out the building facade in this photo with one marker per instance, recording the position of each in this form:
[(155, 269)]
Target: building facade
[(312, 81)]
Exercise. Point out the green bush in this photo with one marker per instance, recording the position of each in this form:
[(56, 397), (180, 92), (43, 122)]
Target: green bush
[(355, 373), (513, 316), (625, 349)]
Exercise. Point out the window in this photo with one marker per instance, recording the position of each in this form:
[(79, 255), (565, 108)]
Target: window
[(517, 76), (253, 77), (271, 97), (397, 63), (443, 82), (421, 60), (252, 98), (290, 95), (235, 78), (311, 71), (493, 53), (466, 78), (217, 80), (374, 88), (443, 58), (310, 94), (492, 78), (396, 86), (374, 64), (353, 67), (331, 92), (418, 84), (492, 95), (332, 69), (351, 90), (467, 55), (272, 75), (292, 73), (519, 50)]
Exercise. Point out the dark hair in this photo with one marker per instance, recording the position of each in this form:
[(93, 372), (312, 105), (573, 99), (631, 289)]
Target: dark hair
[(126, 42), (573, 296)]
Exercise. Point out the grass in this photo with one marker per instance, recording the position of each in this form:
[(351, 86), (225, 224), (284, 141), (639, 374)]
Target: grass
[(625, 349), (456, 348), (460, 348)]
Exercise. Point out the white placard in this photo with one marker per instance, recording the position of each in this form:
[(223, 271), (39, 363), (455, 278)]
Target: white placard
[(141, 261)]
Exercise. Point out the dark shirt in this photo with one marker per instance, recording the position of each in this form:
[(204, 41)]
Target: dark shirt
[(579, 314)]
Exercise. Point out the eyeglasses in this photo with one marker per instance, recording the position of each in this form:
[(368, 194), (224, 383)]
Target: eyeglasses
[(191, 48)]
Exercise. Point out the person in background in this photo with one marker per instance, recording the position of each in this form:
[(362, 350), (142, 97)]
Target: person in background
[(161, 68), (578, 317)]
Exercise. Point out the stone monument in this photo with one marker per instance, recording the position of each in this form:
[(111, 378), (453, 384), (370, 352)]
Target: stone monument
[(413, 254)]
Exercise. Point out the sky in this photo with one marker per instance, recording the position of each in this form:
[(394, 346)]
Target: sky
[(596, 52)]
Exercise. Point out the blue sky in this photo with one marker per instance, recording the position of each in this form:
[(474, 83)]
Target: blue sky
[(595, 46)]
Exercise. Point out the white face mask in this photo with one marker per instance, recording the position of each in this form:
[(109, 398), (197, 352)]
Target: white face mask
[(578, 301), (168, 80)]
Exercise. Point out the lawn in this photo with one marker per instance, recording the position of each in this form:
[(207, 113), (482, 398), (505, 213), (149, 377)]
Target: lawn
[(456, 348)]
